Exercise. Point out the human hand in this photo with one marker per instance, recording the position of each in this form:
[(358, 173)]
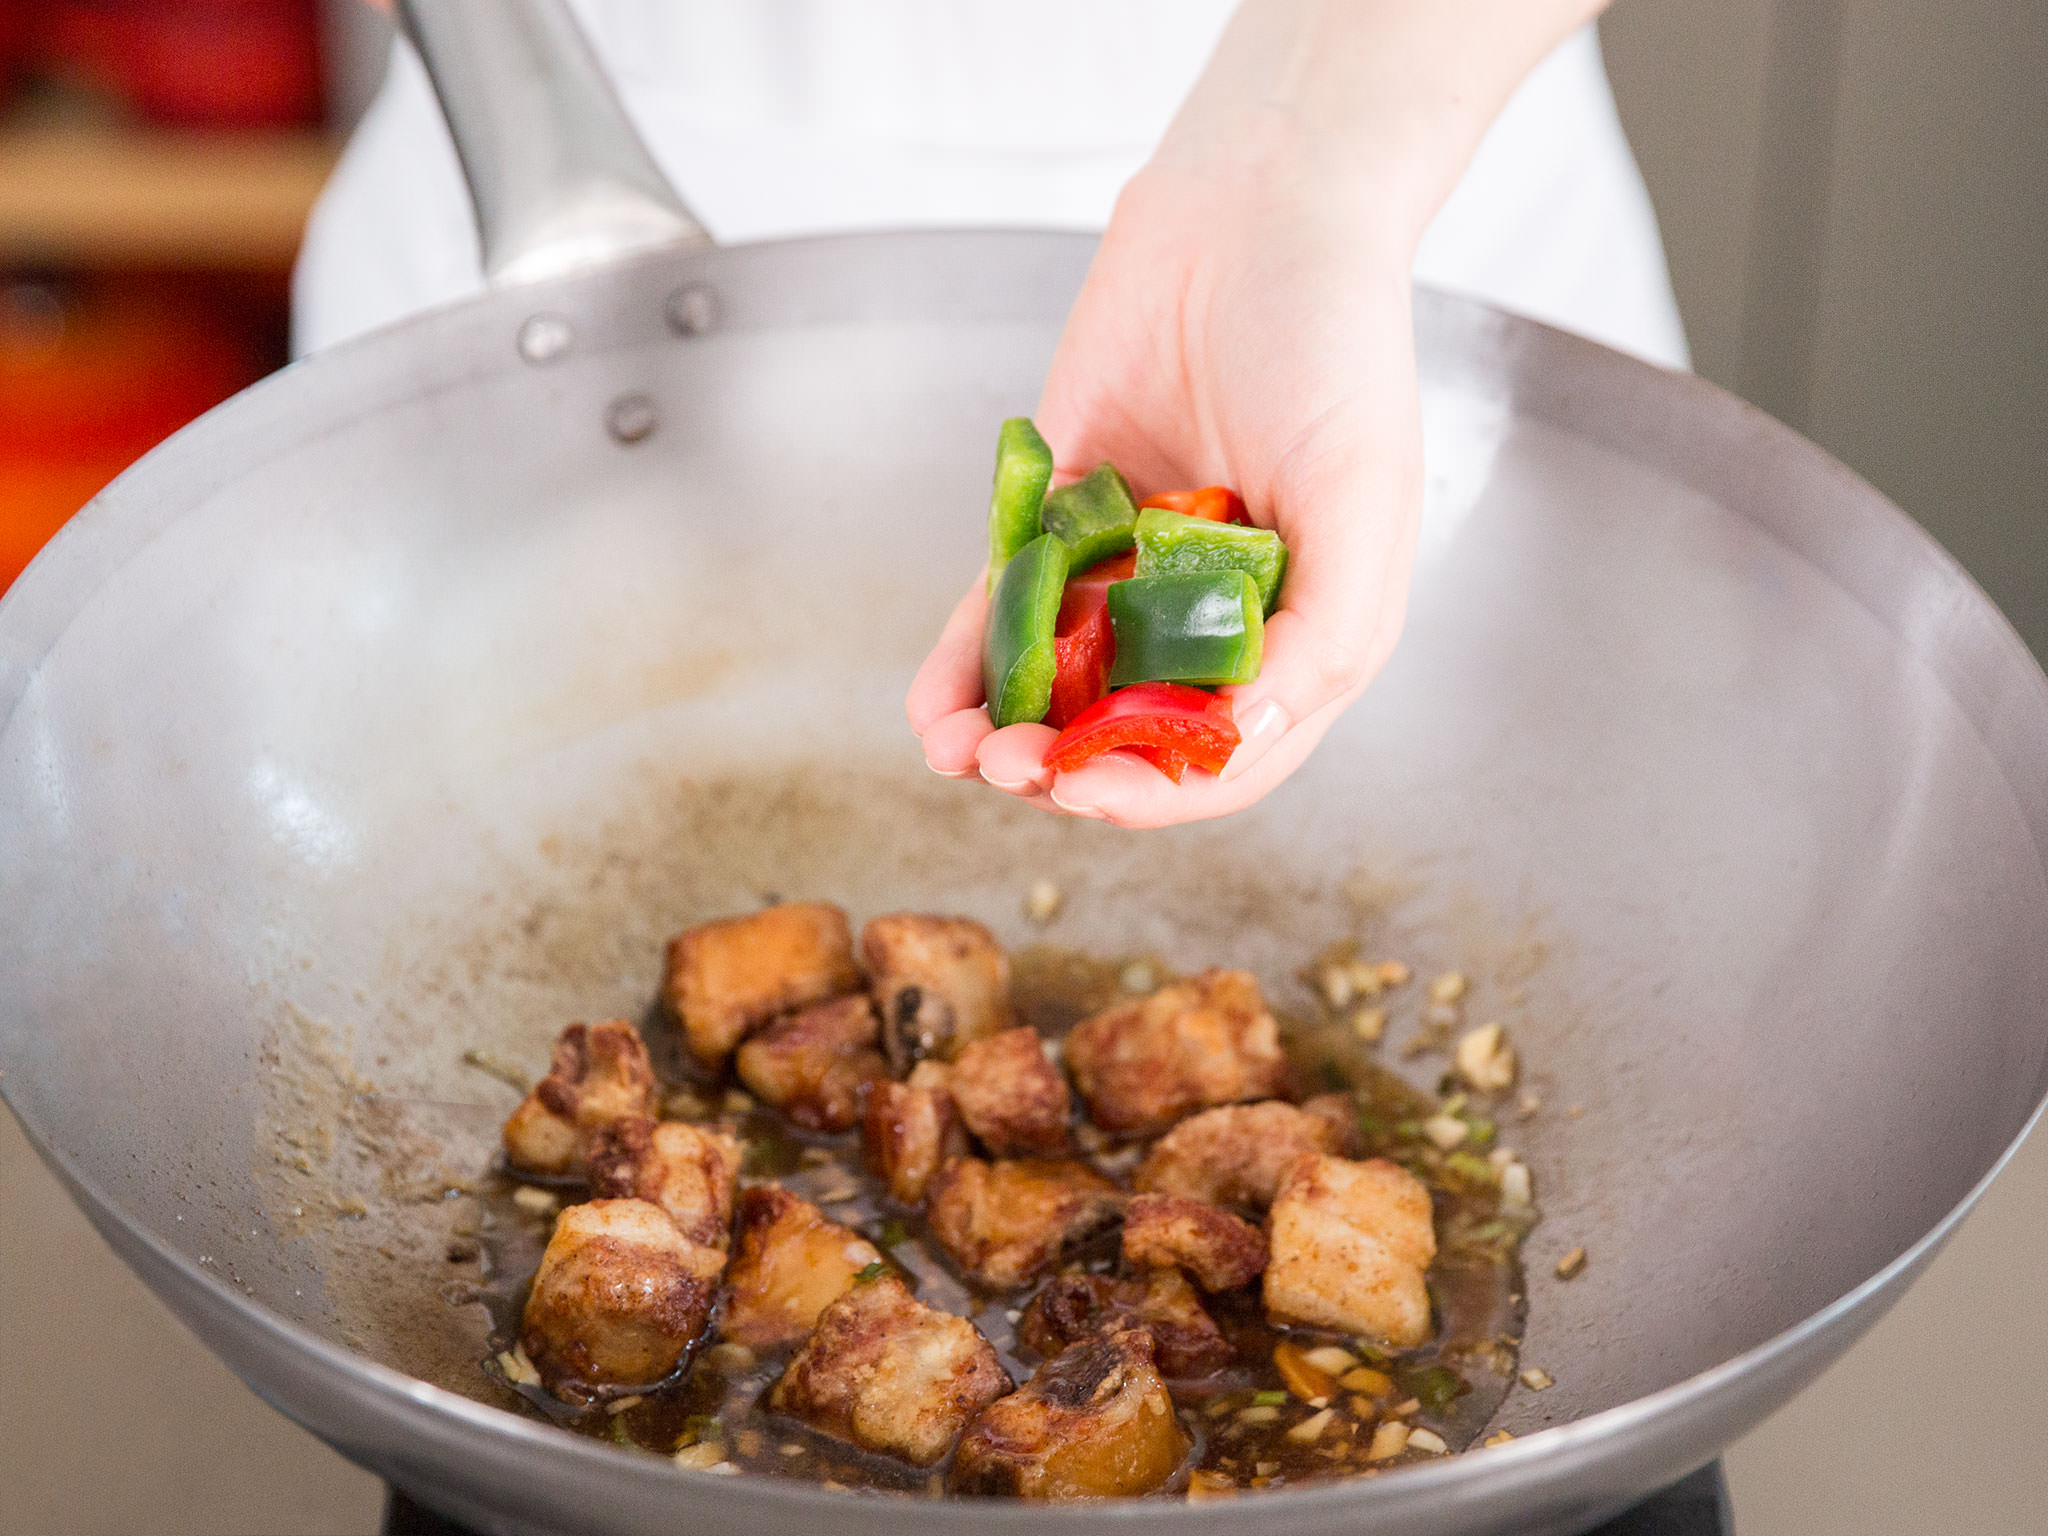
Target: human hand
[(1254, 339)]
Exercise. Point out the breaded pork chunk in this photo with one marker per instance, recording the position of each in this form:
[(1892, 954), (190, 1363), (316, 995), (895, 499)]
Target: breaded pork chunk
[(909, 1134), (939, 981), (1144, 1064), (891, 1374), (1350, 1244), (1234, 1155), (726, 979), (1220, 1250), (619, 1297), (1004, 1223), (599, 1073), (1185, 1339), (1011, 1095), (788, 1265), (811, 1064), (687, 1170), (1095, 1422)]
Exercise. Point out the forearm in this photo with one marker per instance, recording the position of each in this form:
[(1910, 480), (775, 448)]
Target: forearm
[(1375, 105)]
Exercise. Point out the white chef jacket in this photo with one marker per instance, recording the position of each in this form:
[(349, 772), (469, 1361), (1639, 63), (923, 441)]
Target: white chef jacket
[(784, 117)]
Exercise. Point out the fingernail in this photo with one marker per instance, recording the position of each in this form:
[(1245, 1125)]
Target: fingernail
[(1014, 786), (1075, 807), (949, 773), (1257, 731)]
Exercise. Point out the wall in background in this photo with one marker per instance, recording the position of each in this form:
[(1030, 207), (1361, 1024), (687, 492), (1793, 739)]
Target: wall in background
[(1854, 194)]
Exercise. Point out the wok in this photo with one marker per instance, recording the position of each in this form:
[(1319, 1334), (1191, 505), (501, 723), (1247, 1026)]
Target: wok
[(403, 705)]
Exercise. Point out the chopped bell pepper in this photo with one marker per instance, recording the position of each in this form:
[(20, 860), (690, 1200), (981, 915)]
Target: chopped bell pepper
[(1023, 471), (1177, 541), (1083, 647), (1200, 627), (1095, 516), (1171, 726), (1213, 503), (1017, 656)]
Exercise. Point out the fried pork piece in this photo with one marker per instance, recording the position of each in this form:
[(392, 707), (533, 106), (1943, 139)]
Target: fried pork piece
[(1185, 1339), (1220, 1250), (687, 1170), (599, 1073), (1350, 1244), (788, 1265), (891, 1374), (1011, 1096), (1235, 1155), (1095, 1422), (726, 979), (619, 1297), (910, 1133), (1144, 1064), (1003, 1223), (939, 981), (811, 1065)]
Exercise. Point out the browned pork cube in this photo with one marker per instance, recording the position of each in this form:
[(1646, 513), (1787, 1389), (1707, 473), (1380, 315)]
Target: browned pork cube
[(1350, 1244), (1004, 1223), (939, 981), (1144, 1064), (811, 1065), (788, 1265), (619, 1297), (891, 1374), (1234, 1155), (1220, 1250), (726, 979), (910, 1134), (1095, 1422), (1185, 1339), (687, 1170), (1011, 1096), (599, 1073)]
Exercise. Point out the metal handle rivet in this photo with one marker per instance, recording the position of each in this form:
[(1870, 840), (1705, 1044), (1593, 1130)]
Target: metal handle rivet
[(631, 418), (543, 338), (692, 310)]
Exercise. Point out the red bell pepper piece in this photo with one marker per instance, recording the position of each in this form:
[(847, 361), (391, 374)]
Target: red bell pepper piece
[(1170, 725), (1217, 503), (1083, 649)]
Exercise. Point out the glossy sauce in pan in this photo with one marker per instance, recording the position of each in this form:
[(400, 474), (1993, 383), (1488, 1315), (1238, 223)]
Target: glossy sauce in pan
[(1238, 1419)]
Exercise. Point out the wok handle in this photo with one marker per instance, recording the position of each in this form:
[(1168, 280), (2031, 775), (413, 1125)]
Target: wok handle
[(560, 179)]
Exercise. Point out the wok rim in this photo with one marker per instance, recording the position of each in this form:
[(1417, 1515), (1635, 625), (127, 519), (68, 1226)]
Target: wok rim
[(116, 525)]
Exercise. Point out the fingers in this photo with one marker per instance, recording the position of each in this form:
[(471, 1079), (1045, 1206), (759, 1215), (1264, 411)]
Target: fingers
[(950, 679), (952, 741)]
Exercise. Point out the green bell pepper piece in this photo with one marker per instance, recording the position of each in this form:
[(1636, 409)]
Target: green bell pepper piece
[(1094, 517), (1023, 471), (1169, 542), (1201, 627), (1017, 660)]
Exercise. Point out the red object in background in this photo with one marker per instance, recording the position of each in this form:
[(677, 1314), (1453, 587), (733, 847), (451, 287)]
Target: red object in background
[(1170, 725), (193, 63), (1217, 503), (92, 375)]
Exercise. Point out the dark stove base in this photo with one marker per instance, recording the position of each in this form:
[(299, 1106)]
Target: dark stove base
[(1696, 1506)]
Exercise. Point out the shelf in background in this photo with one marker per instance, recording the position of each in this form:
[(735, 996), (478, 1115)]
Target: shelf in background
[(114, 195)]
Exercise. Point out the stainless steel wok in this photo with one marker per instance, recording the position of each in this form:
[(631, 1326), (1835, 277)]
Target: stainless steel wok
[(404, 704)]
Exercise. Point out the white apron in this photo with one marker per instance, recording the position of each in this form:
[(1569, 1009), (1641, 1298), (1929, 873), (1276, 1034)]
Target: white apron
[(779, 117)]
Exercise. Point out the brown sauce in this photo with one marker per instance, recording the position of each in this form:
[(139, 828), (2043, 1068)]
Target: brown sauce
[(1238, 1418)]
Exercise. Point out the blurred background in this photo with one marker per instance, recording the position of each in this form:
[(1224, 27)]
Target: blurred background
[(1854, 198)]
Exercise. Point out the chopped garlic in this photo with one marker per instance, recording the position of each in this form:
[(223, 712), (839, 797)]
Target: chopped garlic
[(1388, 1441), (1311, 1428), (518, 1369), (705, 1455), (1138, 977), (1449, 987), (1445, 1131), (1486, 1060), (730, 1359), (1500, 1157), (619, 1405), (1332, 1359), (1043, 901), (1335, 984), (537, 1202), (1516, 1192), (1571, 1264), (1260, 1414), (1498, 1437), (1536, 1379), (1427, 1440), (1394, 973), (1369, 1024)]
